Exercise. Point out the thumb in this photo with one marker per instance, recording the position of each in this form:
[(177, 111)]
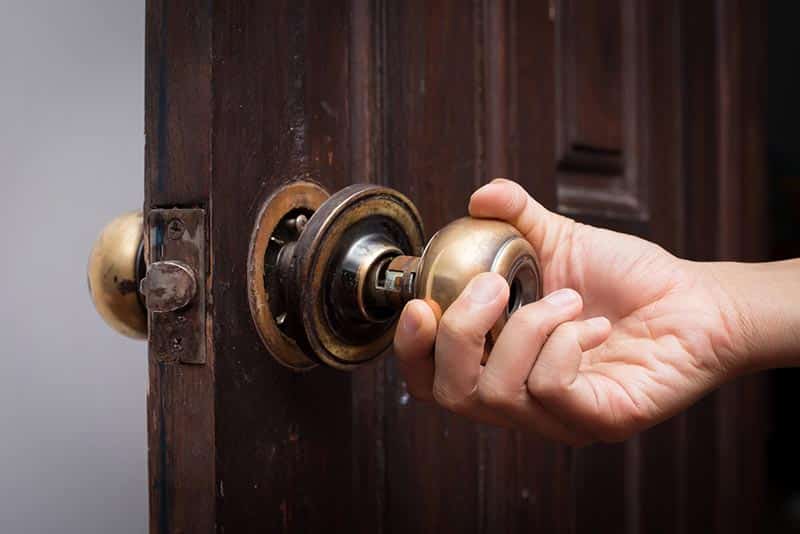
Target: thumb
[(508, 201)]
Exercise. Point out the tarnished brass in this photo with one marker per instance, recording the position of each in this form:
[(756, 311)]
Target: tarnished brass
[(160, 292), (341, 268), (345, 239), (168, 286), (175, 285), (309, 269), (467, 247), (273, 305), (116, 265)]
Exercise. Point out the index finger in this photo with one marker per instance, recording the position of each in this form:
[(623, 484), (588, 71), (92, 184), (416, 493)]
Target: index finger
[(413, 346)]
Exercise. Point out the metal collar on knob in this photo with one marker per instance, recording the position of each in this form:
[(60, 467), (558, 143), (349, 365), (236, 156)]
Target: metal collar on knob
[(331, 291)]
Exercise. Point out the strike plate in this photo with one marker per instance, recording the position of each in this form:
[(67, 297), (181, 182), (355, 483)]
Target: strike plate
[(179, 235)]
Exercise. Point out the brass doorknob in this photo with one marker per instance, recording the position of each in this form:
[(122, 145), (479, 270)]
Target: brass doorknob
[(116, 266), (328, 275), (124, 288)]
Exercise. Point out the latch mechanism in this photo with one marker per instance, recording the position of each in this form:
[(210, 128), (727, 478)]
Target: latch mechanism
[(159, 289), (174, 287)]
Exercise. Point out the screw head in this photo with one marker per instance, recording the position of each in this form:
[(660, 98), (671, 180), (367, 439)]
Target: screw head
[(175, 229), (300, 223)]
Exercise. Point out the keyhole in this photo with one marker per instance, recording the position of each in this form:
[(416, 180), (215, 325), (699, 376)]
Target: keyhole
[(514, 296)]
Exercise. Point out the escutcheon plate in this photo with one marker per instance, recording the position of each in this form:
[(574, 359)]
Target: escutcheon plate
[(275, 319)]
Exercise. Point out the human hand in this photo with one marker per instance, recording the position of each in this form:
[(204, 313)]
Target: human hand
[(626, 336)]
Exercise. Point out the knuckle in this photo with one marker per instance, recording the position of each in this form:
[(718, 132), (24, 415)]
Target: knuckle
[(530, 319), (456, 331), (516, 200), (568, 330), (493, 394), (543, 387), (444, 396)]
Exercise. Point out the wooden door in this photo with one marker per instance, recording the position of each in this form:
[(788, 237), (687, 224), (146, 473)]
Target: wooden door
[(641, 116)]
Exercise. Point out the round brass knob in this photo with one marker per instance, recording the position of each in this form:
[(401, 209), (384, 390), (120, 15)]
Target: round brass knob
[(116, 265), (467, 247), (328, 275)]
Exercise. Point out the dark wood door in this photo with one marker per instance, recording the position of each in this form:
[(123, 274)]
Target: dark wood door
[(641, 116)]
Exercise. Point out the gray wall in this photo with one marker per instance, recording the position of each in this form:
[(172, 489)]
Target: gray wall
[(72, 393)]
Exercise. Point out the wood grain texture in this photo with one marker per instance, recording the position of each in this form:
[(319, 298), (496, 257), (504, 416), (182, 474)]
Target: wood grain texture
[(701, 210), (725, 180), (635, 486), (600, 56), (533, 101), (180, 400), (739, 38), (280, 113), (366, 56), (538, 492), (435, 98), (590, 78), (433, 152)]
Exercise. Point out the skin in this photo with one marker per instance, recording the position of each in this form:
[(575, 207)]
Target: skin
[(626, 336)]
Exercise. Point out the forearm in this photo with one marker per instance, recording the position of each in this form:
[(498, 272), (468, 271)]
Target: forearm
[(761, 303)]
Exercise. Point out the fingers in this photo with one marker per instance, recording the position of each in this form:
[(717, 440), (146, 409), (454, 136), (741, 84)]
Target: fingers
[(560, 359), (525, 333), (531, 379), (413, 346), (461, 339), (508, 201), (556, 380), (502, 386)]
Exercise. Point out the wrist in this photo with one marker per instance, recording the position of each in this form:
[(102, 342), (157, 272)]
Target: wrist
[(758, 304)]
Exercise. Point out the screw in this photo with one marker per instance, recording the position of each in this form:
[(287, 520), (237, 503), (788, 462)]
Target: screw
[(298, 223), (175, 229)]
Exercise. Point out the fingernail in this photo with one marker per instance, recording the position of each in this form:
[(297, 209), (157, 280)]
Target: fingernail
[(487, 187), (562, 298), (410, 323), (485, 288)]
